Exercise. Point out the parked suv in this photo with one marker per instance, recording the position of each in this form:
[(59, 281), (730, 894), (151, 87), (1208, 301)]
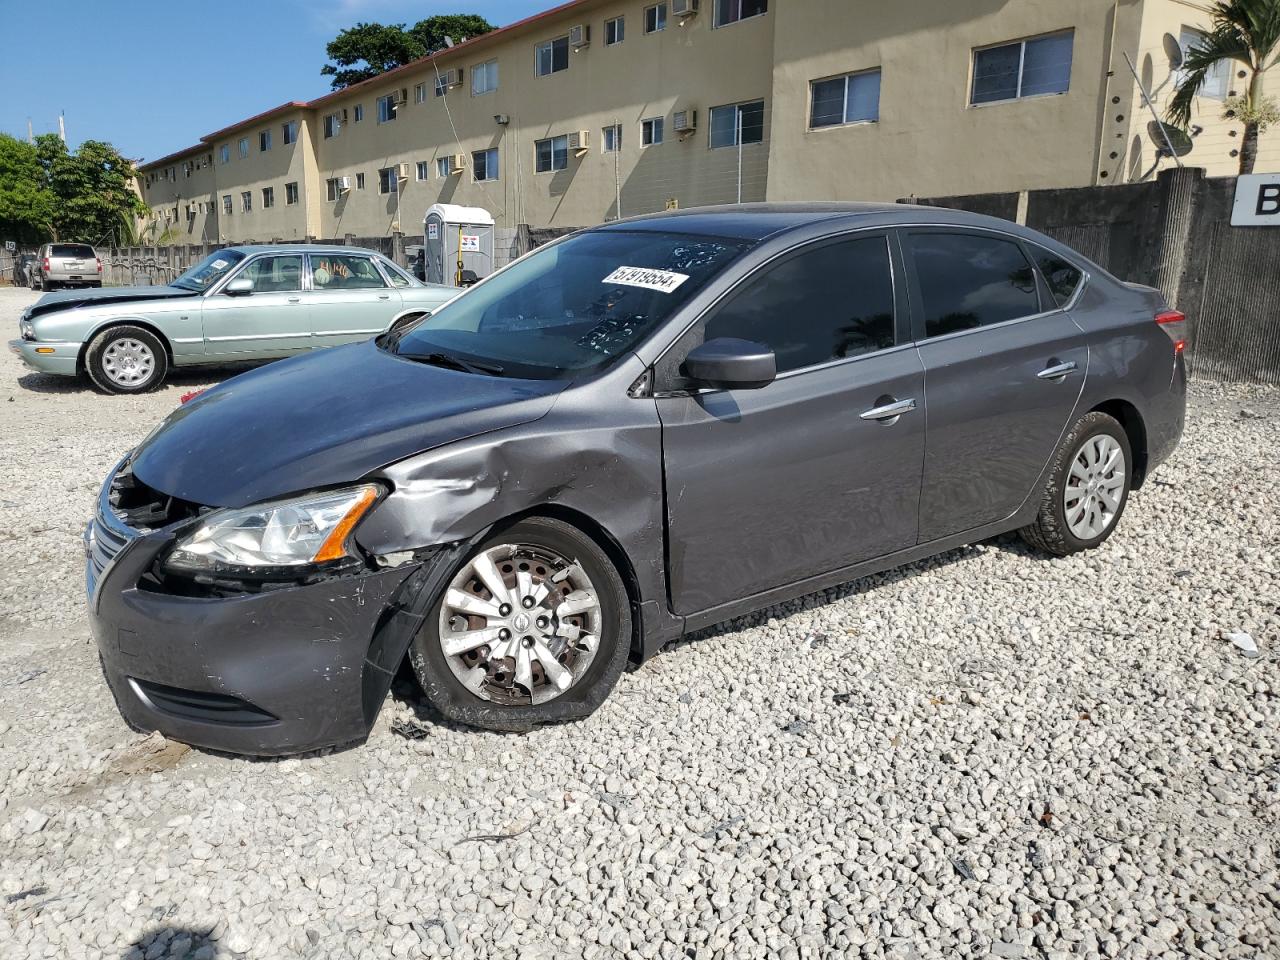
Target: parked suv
[(66, 265)]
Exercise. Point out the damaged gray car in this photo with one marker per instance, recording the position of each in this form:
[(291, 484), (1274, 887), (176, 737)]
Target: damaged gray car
[(635, 432)]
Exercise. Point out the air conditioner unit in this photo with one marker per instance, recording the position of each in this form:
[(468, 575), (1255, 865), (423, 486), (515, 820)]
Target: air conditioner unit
[(685, 121), (580, 140), (402, 171), (344, 184), (579, 36), (457, 163), (684, 8)]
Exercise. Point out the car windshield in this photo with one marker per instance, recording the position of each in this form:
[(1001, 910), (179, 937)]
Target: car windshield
[(208, 271), (572, 307)]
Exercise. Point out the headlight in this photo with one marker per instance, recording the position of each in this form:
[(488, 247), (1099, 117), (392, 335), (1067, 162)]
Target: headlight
[(28, 330), (274, 538)]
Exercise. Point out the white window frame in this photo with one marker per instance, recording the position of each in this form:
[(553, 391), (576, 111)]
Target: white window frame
[(737, 123), (552, 140), (490, 154), (291, 193), (331, 126), (550, 46), (442, 168), (619, 25), (844, 104), (422, 170), (289, 132), (386, 108), (659, 11), (243, 147), (264, 140), (612, 131), (481, 72), (1022, 64), (420, 92), (246, 201), (388, 178), (647, 127), (268, 197), (1221, 72), (717, 23), (359, 181), (333, 189), (357, 113), (227, 203)]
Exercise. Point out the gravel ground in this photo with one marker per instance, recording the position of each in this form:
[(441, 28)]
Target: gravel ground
[(987, 754)]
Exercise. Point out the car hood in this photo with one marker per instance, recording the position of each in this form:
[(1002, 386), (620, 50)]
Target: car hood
[(66, 299), (327, 418)]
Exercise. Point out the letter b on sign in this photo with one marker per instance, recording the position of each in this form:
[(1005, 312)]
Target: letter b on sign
[(1257, 202)]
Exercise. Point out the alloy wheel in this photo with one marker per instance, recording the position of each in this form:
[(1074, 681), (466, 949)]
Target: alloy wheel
[(1095, 486)]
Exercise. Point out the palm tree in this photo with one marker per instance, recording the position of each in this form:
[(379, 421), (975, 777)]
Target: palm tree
[(1245, 32)]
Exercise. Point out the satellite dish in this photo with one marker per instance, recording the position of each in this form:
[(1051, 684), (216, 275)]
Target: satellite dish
[(1166, 137), (448, 41), (1172, 50)]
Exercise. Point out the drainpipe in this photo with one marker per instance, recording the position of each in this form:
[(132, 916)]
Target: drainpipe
[(1107, 73)]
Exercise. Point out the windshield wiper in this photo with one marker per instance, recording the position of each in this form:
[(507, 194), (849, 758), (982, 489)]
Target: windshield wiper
[(454, 363)]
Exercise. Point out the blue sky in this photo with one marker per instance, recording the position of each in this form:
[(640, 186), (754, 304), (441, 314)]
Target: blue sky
[(153, 77)]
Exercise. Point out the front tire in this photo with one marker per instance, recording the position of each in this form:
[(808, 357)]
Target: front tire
[(126, 359), (1088, 488), (533, 627)]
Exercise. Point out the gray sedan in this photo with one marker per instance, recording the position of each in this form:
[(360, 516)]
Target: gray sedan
[(240, 303)]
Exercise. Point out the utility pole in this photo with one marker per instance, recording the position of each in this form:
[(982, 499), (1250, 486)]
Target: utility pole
[(617, 180), (739, 132), (62, 125)]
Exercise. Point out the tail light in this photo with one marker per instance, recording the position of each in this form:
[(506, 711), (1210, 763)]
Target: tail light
[(1174, 323), (44, 264), (99, 264)]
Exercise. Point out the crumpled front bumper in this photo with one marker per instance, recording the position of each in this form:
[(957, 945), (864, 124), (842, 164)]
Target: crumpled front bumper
[(279, 672), (62, 357)]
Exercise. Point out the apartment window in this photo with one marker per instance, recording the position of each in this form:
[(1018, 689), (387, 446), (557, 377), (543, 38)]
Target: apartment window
[(268, 197), (422, 170), (853, 98), (246, 201), (359, 181), (442, 167), (291, 193), (290, 131), (358, 112), (651, 132), (333, 188), (731, 11), (614, 31), (420, 93), (551, 154), (244, 147), (484, 78), (612, 139), (186, 169), (552, 56), (226, 204), (388, 182), (745, 120), (332, 124), (387, 108), (264, 141), (1217, 80), (655, 18), (1027, 68), (484, 164)]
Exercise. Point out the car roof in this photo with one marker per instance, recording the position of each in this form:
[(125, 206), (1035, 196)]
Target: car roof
[(756, 221), (251, 248)]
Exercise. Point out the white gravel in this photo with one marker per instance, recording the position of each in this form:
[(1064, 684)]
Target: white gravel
[(987, 754)]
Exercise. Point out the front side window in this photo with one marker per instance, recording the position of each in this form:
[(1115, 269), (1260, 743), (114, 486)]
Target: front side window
[(281, 274), (422, 170), (290, 131), (572, 306), (246, 201), (614, 31), (212, 268), (552, 56), (731, 11), (854, 98), (332, 124), (970, 280), (387, 180), (340, 272), (264, 141), (651, 132), (244, 147), (1061, 277), (737, 123), (1217, 80), (387, 108), (484, 78), (827, 303), (226, 204), (612, 139), (291, 193), (655, 18), (268, 197), (551, 154), (1025, 68), (484, 164)]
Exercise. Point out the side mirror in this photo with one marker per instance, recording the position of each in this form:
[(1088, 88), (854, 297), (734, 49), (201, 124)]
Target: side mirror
[(239, 287), (731, 364)]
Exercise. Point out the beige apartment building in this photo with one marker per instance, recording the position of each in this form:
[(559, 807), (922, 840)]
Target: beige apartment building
[(605, 108)]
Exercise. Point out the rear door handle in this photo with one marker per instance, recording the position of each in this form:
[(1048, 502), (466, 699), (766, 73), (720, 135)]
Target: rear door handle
[(889, 412), (1058, 371), (295, 299)]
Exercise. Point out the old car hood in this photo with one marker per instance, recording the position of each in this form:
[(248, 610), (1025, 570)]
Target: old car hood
[(322, 419), (66, 299)]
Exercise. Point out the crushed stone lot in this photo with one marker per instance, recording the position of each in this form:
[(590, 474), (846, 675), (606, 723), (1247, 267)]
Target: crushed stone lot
[(990, 753)]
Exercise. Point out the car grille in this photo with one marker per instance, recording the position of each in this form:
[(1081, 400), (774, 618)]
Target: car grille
[(107, 538)]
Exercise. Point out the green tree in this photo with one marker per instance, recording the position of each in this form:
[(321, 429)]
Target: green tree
[(368, 49), (1245, 32), (95, 200), (26, 202)]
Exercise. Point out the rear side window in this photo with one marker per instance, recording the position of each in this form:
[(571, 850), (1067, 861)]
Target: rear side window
[(969, 280), (79, 250), (1063, 278), (824, 304), (337, 272)]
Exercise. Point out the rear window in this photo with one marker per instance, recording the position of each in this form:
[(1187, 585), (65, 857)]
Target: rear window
[(81, 250)]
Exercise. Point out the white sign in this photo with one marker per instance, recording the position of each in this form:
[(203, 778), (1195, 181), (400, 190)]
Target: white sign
[(433, 231), (1257, 201), (10, 245), (468, 243), (664, 281)]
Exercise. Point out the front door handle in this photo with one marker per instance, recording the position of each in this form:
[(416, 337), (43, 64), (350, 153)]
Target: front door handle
[(295, 299), (1058, 371), (890, 412), (384, 296)]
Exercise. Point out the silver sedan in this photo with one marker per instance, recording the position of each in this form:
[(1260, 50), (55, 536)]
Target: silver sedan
[(240, 303)]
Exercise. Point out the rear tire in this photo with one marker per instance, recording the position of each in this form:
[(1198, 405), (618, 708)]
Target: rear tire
[(482, 687), (126, 359), (46, 285), (1088, 488)]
